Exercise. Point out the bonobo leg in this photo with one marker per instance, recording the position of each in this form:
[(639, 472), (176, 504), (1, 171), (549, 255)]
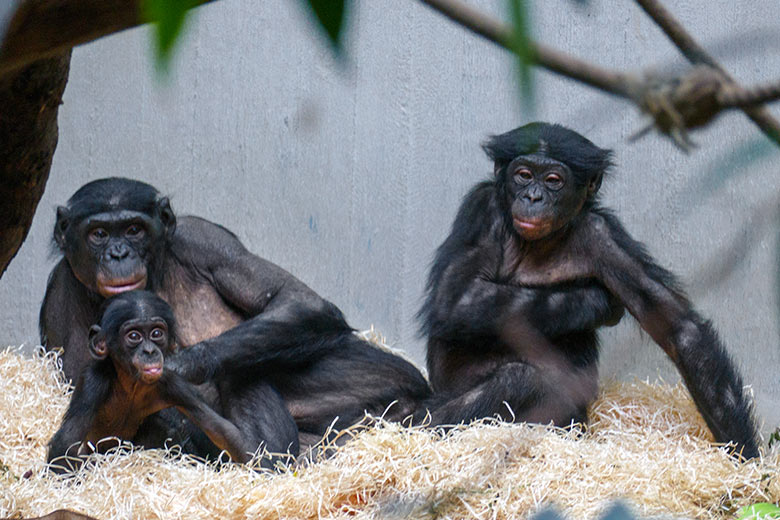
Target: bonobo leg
[(515, 392), (259, 412)]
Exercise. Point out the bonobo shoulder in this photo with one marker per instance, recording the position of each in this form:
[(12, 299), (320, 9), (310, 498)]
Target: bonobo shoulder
[(203, 236)]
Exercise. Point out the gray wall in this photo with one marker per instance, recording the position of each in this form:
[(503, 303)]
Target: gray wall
[(349, 176)]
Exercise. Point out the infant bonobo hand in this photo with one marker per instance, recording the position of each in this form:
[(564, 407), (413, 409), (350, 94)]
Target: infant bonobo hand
[(195, 363)]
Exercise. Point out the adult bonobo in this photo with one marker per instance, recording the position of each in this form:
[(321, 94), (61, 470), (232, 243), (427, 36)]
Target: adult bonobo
[(532, 268), (127, 382), (239, 313)]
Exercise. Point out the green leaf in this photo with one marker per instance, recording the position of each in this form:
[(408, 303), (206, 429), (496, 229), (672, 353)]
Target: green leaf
[(758, 511), (520, 44), (330, 14), (168, 17)]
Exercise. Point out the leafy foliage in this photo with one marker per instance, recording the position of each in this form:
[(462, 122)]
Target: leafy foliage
[(330, 14), (168, 17), (521, 46), (760, 511)]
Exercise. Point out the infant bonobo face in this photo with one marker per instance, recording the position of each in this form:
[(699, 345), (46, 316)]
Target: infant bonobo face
[(143, 342)]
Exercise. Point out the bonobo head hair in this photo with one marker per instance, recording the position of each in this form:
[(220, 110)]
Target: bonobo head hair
[(135, 305), (114, 194), (584, 158)]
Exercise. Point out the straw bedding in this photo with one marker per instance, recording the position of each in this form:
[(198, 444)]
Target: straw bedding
[(646, 443)]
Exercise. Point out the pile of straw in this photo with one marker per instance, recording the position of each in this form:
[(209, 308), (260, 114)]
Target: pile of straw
[(646, 443)]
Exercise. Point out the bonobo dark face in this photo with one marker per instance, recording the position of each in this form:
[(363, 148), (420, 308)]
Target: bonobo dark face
[(111, 233), (543, 195), (136, 332), (142, 341), (545, 174)]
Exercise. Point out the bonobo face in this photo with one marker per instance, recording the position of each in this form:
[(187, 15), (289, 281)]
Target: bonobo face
[(142, 342), (113, 234), (543, 195), (112, 250)]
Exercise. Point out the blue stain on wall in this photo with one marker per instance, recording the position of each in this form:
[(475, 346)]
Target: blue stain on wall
[(312, 224)]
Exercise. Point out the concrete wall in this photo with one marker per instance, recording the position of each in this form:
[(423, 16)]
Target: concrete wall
[(349, 175)]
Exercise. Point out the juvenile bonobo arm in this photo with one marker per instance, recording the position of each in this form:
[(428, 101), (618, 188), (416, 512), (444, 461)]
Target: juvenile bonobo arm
[(284, 317), (90, 394), (651, 295), (224, 434), (467, 296)]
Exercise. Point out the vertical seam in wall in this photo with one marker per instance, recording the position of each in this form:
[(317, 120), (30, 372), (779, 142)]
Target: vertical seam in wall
[(353, 219), (412, 87)]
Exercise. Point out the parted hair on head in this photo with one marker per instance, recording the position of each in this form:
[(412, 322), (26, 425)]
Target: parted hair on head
[(108, 194), (134, 305), (556, 141)]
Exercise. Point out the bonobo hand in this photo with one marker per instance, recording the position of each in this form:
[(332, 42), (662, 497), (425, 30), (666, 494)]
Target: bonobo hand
[(616, 312), (196, 364)]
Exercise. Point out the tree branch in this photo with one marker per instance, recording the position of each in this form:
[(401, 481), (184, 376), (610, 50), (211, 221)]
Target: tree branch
[(29, 100), (696, 54), (45, 28), (745, 97), (613, 82)]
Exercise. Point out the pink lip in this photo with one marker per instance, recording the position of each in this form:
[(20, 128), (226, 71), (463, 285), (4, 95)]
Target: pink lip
[(117, 289), (525, 224), (153, 371)]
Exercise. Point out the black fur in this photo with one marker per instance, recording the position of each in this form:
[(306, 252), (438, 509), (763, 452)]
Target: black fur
[(532, 268), (239, 316)]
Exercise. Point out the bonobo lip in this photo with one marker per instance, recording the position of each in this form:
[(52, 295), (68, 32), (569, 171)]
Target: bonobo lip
[(151, 373), (120, 286), (531, 229), (526, 224)]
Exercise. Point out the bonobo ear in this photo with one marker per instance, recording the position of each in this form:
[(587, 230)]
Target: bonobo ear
[(497, 167), (595, 184), (166, 215), (63, 221), (97, 343)]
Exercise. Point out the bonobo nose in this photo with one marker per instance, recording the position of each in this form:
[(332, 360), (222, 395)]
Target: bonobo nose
[(118, 252)]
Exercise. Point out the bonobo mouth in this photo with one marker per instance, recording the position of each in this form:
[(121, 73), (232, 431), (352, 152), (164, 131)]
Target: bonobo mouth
[(531, 229), (110, 288), (151, 373)]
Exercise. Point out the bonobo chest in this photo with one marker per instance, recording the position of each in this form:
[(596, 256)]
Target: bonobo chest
[(563, 257), (200, 311), (123, 413)]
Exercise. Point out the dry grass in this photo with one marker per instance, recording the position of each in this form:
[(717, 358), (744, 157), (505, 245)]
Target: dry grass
[(646, 443)]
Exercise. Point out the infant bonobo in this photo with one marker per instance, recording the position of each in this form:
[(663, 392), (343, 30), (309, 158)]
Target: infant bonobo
[(127, 382)]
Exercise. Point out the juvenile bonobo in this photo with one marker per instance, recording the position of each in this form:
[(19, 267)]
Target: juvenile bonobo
[(532, 268), (238, 315), (127, 382)]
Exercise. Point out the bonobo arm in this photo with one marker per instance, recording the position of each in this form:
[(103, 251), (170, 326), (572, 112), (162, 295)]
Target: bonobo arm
[(466, 295), (285, 318), (485, 306), (652, 296), (66, 314), (91, 392), (224, 434)]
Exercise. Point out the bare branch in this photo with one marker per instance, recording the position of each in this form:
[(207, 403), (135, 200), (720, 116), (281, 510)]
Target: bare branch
[(696, 54), (46, 28), (617, 83), (29, 100), (744, 97)]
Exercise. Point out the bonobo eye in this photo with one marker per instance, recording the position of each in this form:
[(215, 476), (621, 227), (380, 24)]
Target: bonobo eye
[(98, 235), (133, 338), (135, 231), (523, 176), (157, 334), (554, 181)]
